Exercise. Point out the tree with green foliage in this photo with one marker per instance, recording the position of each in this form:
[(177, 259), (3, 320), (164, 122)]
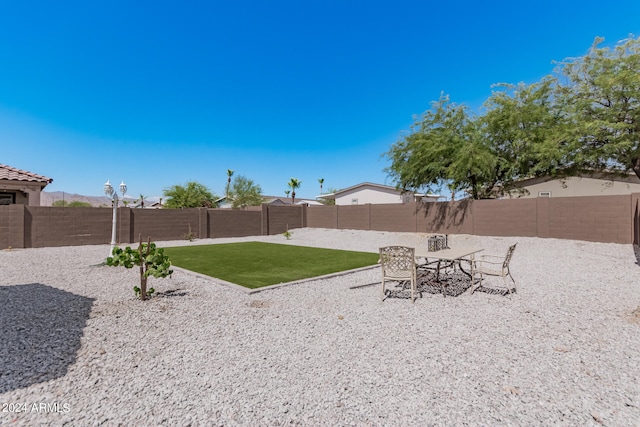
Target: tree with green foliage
[(602, 98), (525, 129), (244, 192), (584, 118), (190, 195), (329, 202), (446, 145), (321, 181), (72, 204), (520, 135), (294, 184)]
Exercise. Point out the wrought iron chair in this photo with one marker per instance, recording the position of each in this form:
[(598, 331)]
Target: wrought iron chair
[(492, 265), (398, 264)]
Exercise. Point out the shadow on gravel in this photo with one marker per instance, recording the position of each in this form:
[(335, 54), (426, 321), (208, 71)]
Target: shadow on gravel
[(636, 251), (456, 283), (493, 291), (172, 293), (41, 331)]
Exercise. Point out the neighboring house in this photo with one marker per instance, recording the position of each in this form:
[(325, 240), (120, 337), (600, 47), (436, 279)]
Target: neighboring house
[(368, 192), (277, 201), (596, 184), (21, 187), (225, 203), (147, 205), (280, 201)]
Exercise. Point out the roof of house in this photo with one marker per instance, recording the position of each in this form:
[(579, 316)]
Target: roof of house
[(382, 187), (309, 202), (223, 199), (270, 200), (12, 174), (354, 187)]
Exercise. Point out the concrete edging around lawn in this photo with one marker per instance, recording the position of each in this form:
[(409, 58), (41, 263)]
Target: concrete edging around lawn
[(279, 285)]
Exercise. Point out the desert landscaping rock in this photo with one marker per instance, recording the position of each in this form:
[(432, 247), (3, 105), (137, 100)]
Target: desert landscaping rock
[(562, 350)]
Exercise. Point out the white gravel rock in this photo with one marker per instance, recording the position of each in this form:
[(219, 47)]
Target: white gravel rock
[(79, 349)]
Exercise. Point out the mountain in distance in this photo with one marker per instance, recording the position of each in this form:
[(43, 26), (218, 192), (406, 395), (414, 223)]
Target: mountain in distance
[(47, 199)]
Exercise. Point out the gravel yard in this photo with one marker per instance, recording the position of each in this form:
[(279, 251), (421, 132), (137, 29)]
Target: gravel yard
[(78, 349)]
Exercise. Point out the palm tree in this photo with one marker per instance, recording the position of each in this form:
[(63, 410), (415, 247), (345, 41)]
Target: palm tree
[(142, 197), (293, 184), (321, 181), (229, 175), (287, 192)]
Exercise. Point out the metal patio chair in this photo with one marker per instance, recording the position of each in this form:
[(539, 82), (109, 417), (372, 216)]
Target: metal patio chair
[(398, 264), (492, 265)]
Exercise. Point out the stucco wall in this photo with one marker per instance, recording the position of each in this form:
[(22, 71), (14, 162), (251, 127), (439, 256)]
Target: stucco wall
[(576, 186), (366, 195), (27, 193)]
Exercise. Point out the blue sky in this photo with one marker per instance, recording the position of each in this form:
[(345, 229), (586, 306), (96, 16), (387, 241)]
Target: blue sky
[(158, 93)]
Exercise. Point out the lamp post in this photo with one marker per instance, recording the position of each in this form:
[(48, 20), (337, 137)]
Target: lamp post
[(113, 195)]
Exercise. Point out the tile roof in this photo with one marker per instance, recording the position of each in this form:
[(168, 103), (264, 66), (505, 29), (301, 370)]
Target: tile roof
[(13, 174)]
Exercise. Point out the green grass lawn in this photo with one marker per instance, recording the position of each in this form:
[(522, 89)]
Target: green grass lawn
[(257, 264)]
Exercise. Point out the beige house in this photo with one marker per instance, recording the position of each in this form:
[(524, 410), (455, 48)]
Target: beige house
[(368, 192), (20, 187), (597, 184)]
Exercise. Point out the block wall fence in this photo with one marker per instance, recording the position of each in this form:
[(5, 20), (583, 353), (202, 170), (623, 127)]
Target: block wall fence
[(613, 219)]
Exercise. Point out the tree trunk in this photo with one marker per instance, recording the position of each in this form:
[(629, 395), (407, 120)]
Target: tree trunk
[(143, 279), (636, 166), (474, 187), (143, 287), (143, 268)]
